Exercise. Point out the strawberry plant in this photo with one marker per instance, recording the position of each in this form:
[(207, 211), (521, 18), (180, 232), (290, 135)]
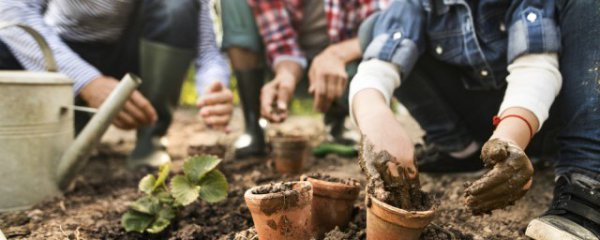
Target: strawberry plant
[(154, 211)]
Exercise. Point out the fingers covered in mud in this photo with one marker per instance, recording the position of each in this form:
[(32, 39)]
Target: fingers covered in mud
[(389, 181), (507, 181)]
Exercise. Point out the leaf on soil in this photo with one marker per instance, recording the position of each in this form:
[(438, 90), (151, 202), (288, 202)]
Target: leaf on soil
[(136, 221), (163, 220), (183, 190), (213, 187), (147, 184), (163, 173), (146, 204), (197, 167)]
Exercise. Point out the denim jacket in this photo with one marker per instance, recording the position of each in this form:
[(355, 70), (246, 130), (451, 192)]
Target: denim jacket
[(481, 37)]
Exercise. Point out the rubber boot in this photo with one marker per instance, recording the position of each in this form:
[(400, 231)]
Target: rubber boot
[(252, 142), (163, 69), (335, 120)]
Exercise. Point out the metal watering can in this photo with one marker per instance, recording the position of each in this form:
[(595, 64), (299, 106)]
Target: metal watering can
[(38, 152)]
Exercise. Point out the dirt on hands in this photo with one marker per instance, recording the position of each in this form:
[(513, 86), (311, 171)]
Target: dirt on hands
[(389, 182), (508, 181)]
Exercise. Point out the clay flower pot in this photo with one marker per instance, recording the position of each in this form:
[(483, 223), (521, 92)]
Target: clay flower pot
[(333, 202), (283, 213), (290, 153), (387, 222)]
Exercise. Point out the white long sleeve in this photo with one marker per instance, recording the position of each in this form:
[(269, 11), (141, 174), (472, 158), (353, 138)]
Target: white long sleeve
[(375, 74), (534, 81)]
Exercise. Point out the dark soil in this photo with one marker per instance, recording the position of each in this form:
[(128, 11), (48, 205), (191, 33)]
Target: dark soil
[(328, 178), (92, 208), (281, 187)]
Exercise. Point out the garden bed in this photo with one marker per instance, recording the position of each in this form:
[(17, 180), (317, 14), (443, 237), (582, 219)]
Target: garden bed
[(92, 208)]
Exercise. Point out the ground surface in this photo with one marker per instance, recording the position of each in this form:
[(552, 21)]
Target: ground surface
[(99, 196)]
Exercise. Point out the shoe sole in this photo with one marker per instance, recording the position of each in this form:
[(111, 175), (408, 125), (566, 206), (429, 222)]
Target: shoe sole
[(540, 230)]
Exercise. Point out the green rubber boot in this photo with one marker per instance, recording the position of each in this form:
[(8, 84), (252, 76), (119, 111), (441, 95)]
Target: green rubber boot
[(163, 69)]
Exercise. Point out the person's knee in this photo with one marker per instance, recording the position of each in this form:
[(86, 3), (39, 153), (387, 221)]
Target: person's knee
[(239, 26), (172, 22)]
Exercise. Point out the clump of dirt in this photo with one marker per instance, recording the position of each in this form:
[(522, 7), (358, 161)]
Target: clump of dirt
[(218, 150), (280, 187), (328, 178), (390, 182)]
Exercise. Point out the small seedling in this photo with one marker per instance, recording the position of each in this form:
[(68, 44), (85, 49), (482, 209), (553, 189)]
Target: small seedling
[(154, 211)]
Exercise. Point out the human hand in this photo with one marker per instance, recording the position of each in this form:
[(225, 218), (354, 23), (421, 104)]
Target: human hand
[(136, 112), (508, 181), (275, 96), (216, 106), (328, 79), (387, 153)]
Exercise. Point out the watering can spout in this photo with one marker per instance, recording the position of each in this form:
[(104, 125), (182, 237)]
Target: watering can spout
[(76, 155)]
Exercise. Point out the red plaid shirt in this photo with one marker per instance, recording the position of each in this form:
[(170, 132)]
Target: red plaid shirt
[(278, 21)]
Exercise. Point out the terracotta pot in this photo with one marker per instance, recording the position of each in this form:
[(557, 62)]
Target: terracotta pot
[(282, 215), (332, 204), (387, 222), (290, 153)]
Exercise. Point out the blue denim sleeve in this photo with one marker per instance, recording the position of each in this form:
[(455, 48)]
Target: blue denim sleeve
[(533, 28), (397, 35)]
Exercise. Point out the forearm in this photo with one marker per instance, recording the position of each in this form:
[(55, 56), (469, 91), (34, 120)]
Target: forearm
[(533, 84), (516, 129), (347, 51), (289, 70), (26, 50), (369, 104)]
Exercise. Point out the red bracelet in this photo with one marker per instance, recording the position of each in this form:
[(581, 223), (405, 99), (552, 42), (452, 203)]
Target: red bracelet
[(496, 120)]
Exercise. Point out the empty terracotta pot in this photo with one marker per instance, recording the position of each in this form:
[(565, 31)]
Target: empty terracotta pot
[(385, 222), (333, 202), (290, 153), (281, 213)]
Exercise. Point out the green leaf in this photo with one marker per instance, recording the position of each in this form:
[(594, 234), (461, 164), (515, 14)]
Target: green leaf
[(136, 221), (163, 220), (163, 173), (196, 167), (147, 184), (159, 225), (183, 190), (146, 204), (213, 187), (164, 197)]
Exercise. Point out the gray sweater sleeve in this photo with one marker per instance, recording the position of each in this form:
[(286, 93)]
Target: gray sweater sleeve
[(29, 12)]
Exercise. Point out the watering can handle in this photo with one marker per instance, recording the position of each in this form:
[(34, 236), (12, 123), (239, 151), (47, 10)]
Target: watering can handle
[(39, 39)]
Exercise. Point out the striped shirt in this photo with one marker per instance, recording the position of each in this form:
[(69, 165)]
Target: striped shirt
[(93, 21)]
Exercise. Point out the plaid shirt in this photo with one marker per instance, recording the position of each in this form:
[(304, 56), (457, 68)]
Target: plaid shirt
[(278, 21)]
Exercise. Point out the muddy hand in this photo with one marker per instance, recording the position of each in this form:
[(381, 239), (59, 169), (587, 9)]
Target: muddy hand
[(382, 170), (508, 181)]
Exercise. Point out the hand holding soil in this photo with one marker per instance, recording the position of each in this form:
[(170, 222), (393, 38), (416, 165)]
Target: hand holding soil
[(391, 181), (508, 181)]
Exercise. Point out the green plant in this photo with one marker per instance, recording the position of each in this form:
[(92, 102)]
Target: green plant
[(154, 211)]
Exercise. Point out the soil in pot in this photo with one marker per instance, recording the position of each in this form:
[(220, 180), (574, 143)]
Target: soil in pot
[(333, 201), (396, 206), (290, 153), (281, 210)]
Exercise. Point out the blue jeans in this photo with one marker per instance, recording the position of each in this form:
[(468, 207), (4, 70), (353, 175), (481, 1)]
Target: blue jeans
[(453, 116), (173, 23)]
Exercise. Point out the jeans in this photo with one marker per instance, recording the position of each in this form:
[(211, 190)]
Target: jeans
[(453, 116), (173, 23)]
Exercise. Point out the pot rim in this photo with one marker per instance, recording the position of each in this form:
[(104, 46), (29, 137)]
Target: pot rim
[(26, 78), (335, 190), (303, 188), (398, 216)]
